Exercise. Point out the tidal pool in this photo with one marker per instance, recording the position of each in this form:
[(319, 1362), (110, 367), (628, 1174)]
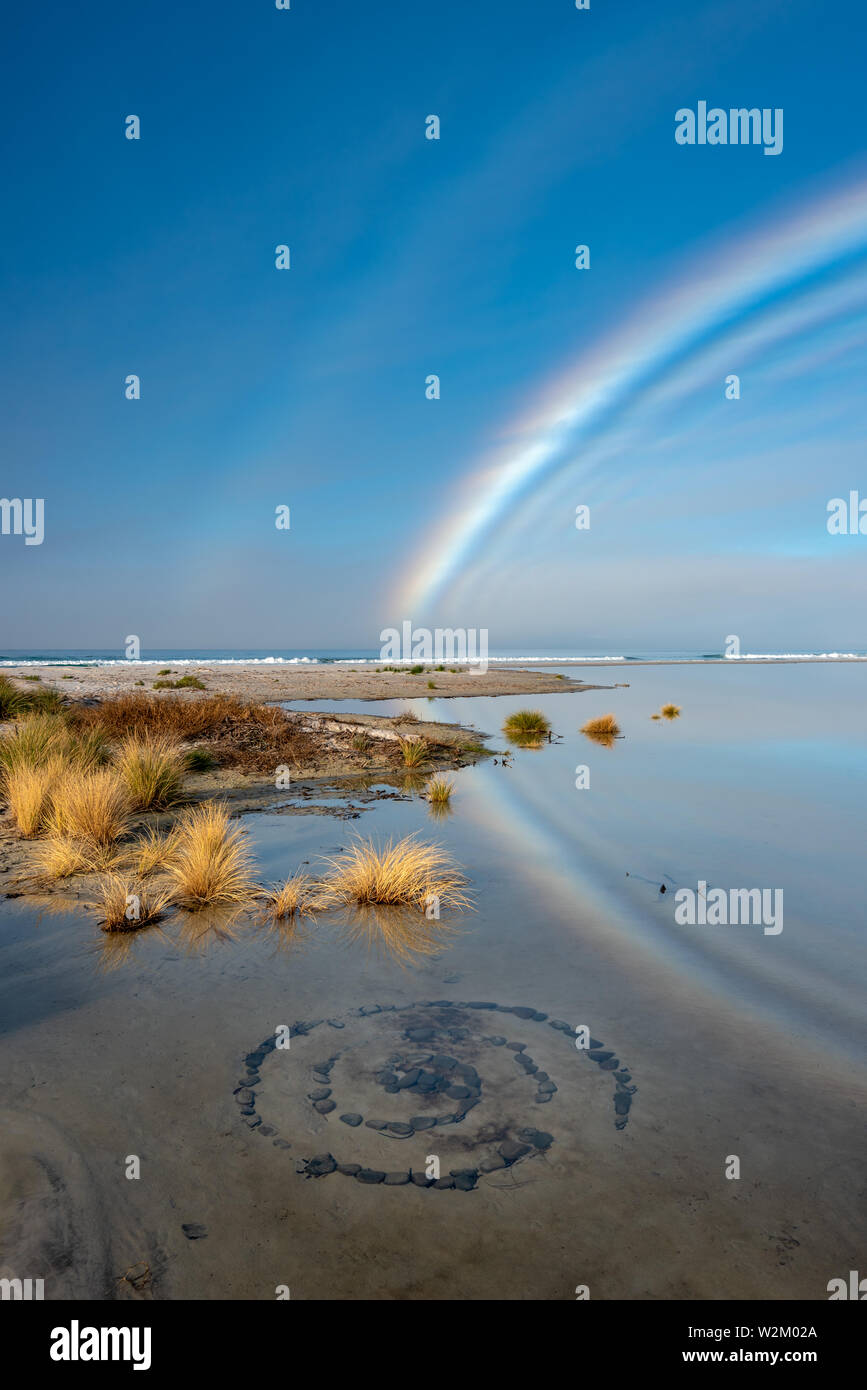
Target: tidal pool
[(735, 1043)]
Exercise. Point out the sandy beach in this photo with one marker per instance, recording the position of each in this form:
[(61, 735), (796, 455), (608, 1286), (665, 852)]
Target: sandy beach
[(259, 681)]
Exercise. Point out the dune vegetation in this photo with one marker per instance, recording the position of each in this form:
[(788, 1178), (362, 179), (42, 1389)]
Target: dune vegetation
[(297, 896), (439, 789), (605, 726), (415, 751), (400, 873), (528, 728), (211, 861), (127, 905), (152, 766), (99, 792)]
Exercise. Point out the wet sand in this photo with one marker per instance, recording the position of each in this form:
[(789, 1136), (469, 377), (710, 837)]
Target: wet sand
[(147, 1060), (154, 1046)]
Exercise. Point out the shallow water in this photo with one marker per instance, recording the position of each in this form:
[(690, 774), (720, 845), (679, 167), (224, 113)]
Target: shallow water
[(737, 1043)]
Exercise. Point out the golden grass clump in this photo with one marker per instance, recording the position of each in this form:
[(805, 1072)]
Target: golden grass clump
[(128, 905), (152, 766), (528, 728), (57, 857), (439, 789), (28, 791), (42, 737), (415, 751), (153, 851), (92, 806), (211, 862), (299, 895), (526, 722), (402, 873), (606, 726), (670, 711)]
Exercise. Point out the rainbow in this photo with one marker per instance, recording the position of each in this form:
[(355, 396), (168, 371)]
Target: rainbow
[(723, 286)]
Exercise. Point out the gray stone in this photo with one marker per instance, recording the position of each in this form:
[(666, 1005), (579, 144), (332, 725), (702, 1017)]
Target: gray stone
[(420, 1180), (458, 1092), (324, 1106), (267, 1130), (521, 1011), (248, 1109), (252, 1120), (490, 1165), (321, 1093), (516, 1047), (440, 1062), (446, 1119), (623, 1076), (282, 1144), (369, 1175), (596, 1056), (387, 1078), (475, 1005), (444, 1183), (396, 1179), (376, 1124), (353, 1120), (194, 1231), (511, 1150), (321, 1164), (420, 1122), (547, 1088), (498, 1040), (468, 1073), (244, 1096), (409, 1080), (622, 1102), (335, 1023), (400, 1131), (349, 1170), (367, 1009), (542, 1098), (610, 1065), (465, 1182)]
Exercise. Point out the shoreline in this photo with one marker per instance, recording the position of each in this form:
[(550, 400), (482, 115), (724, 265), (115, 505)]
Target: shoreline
[(274, 684)]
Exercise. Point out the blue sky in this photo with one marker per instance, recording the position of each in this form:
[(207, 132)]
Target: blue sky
[(410, 257)]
